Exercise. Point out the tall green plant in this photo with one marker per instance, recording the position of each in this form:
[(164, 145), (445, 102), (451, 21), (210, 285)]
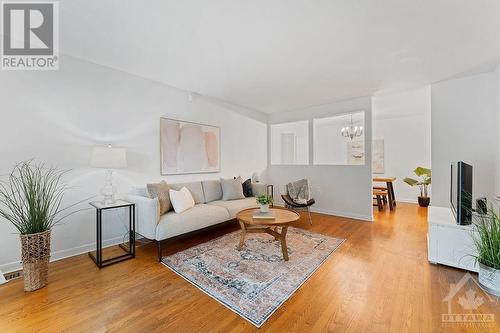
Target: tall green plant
[(487, 238), (424, 180), (31, 197)]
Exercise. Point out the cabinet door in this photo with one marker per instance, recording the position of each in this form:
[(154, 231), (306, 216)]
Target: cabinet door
[(456, 248), (432, 244)]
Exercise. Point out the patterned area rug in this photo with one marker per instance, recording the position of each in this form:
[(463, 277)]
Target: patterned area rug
[(253, 282)]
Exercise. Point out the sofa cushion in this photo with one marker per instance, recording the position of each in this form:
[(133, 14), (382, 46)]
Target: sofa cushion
[(193, 187), (259, 189), (181, 200), (235, 206), (198, 217), (231, 189), (212, 190)]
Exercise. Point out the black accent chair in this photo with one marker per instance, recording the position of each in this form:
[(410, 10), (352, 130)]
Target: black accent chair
[(290, 204)]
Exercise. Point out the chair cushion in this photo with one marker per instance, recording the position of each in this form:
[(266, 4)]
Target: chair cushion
[(160, 191), (198, 217), (289, 201), (212, 190), (194, 187), (232, 189), (235, 206)]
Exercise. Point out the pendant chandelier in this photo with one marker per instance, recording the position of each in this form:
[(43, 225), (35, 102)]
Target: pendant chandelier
[(351, 131)]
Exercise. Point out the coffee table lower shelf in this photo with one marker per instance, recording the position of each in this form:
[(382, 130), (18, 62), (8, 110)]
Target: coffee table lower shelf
[(283, 218), (279, 236)]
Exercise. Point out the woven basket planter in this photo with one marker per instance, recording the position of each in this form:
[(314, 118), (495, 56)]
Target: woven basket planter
[(35, 251)]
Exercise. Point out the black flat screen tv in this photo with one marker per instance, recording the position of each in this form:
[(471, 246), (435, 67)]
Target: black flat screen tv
[(461, 192)]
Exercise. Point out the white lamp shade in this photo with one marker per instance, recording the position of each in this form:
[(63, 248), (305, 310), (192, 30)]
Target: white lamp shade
[(109, 157)]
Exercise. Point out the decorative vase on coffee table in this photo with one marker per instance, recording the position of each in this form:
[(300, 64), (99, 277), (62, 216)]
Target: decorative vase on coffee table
[(264, 208)]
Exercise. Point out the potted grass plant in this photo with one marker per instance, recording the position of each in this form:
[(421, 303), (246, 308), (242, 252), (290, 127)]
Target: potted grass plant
[(486, 239), (424, 180), (264, 200), (30, 199)]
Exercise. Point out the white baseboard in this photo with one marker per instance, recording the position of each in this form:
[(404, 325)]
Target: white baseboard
[(406, 200), (349, 215), (62, 254), (342, 214)]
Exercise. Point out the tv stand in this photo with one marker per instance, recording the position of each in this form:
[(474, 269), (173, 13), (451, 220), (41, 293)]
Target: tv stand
[(448, 243)]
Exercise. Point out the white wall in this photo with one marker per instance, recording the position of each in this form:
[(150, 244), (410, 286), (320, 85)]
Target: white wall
[(57, 117), (338, 189), (329, 146), (301, 132), (403, 121), (464, 127), (497, 166)]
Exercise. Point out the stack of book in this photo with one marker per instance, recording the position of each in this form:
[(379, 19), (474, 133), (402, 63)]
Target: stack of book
[(263, 216)]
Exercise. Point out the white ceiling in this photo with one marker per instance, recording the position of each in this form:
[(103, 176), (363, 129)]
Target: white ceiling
[(274, 56), (358, 118)]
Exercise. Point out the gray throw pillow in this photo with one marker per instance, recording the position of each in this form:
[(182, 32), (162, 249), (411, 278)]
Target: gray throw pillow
[(160, 191), (259, 189), (232, 189)]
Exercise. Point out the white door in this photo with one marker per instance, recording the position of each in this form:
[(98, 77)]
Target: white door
[(288, 148)]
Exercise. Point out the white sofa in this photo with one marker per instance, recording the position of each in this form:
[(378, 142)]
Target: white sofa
[(209, 210)]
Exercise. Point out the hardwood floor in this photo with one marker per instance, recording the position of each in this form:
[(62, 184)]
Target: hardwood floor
[(379, 280)]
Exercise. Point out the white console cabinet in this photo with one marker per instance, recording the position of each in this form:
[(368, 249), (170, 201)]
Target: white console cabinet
[(449, 243)]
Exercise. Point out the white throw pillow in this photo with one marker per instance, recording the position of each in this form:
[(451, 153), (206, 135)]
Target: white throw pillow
[(181, 200)]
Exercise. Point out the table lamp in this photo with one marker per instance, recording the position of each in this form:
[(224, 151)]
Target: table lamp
[(109, 158), (255, 177)]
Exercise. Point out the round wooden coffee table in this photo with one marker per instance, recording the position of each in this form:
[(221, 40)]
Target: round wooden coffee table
[(283, 218)]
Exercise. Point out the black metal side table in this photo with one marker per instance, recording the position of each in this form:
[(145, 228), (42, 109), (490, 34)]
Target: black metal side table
[(130, 250)]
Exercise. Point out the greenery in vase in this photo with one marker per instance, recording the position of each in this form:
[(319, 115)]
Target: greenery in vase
[(31, 197), (487, 238), (424, 180), (264, 199)]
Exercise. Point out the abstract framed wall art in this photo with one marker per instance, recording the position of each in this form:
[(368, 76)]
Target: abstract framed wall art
[(355, 153), (187, 147)]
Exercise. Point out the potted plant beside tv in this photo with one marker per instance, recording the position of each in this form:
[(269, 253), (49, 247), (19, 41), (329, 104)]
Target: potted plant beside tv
[(424, 180), (30, 199), (486, 239)]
